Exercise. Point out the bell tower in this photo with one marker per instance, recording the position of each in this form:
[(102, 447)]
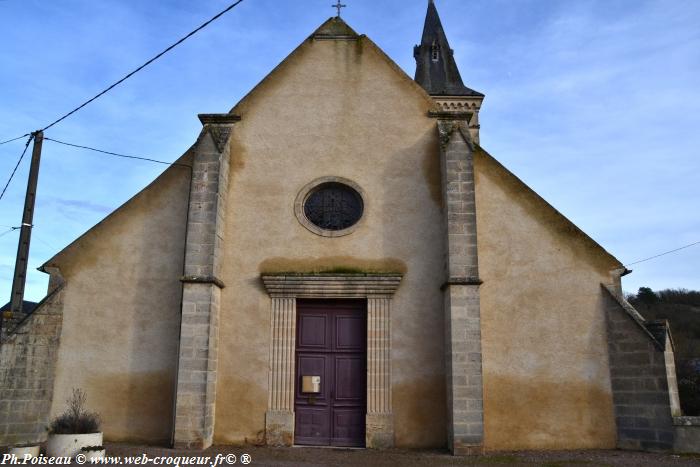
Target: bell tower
[(437, 72)]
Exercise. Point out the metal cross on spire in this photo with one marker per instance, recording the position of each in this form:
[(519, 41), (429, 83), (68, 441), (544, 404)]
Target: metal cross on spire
[(339, 6)]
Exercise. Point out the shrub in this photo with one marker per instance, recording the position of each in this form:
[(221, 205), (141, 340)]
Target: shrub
[(689, 389), (76, 419)]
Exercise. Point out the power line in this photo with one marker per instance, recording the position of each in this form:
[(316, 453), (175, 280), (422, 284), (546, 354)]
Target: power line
[(115, 153), (12, 229), (14, 139), (204, 25), (663, 254), (15, 169), (37, 237)]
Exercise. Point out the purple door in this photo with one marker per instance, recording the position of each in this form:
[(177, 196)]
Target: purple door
[(331, 344)]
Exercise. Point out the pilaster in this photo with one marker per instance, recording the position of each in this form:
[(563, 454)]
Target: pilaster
[(463, 363), (201, 290), (380, 420), (279, 419)]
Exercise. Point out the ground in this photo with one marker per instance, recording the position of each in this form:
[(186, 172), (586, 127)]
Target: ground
[(320, 457)]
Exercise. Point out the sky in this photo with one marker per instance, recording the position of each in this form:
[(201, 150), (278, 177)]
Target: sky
[(592, 103)]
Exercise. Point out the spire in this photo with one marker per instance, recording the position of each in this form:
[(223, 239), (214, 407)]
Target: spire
[(436, 70)]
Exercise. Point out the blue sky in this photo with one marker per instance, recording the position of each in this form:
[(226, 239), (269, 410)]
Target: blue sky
[(593, 103)]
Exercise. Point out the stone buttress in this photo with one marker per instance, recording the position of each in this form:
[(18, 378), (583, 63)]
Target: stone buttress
[(201, 289), (465, 417)]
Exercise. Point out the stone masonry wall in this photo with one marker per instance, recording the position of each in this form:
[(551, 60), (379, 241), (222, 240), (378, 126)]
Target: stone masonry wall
[(687, 435), (27, 365), (639, 381)]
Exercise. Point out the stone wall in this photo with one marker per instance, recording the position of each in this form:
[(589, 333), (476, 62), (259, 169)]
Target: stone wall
[(27, 366), (687, 434), (639, 380)]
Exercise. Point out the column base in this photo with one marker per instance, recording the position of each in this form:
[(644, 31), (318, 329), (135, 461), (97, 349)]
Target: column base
[(194, 444), (379, 431), (460, 449), (279, 428)]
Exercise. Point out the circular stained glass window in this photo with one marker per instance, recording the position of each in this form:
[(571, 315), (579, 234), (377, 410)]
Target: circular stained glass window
[(333, 206)]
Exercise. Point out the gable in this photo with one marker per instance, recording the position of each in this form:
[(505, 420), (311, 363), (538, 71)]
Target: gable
[(311, 69), (566, 232), (165, 197)]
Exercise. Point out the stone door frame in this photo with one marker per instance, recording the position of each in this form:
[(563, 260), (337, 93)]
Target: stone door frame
[(284, 290)]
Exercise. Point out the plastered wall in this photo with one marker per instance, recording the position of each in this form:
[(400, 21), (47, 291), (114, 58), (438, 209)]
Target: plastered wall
[(545, 362), (334, 108), (121, 312)]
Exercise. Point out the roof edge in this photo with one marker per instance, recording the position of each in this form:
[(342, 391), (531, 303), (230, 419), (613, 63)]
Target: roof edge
[(633, 314), (177, 163), (617, 263), (315, 36)]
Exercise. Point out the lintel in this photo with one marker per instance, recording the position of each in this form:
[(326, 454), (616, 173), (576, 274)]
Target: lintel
[(331, 285)]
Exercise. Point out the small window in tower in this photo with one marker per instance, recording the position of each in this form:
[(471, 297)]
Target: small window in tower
[(435, 52)]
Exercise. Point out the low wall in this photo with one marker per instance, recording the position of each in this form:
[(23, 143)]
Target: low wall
[(687, 434), (27, 364), (639, 381)]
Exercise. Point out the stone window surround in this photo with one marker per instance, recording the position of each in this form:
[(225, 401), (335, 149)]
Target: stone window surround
[(284, 290), (309, 187)]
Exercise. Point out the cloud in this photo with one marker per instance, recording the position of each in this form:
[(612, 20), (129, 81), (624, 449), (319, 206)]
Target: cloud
[(73, 206)]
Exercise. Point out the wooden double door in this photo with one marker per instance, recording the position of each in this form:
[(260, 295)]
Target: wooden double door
[(331, 343)]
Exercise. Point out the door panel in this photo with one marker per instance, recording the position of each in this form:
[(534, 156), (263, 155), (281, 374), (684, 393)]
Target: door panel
[(349, 333), (331, 343), (350, 385), (312, 425), (348, 427), (313, 331)]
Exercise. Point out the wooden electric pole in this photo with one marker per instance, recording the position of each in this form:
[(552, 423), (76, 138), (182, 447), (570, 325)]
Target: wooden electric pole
[(20, 278)]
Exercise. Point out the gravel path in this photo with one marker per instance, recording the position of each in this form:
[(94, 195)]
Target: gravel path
[(320, 457)]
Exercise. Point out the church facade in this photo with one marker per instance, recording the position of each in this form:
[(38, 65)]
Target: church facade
[(352, 269)]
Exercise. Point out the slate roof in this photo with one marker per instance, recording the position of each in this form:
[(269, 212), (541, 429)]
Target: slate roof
[(27, 307), (440, 76)]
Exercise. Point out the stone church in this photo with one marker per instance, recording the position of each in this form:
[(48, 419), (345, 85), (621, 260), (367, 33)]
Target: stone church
[(343, 269)]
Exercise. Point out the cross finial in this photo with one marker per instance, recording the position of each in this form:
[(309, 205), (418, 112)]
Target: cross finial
[(339, 6)]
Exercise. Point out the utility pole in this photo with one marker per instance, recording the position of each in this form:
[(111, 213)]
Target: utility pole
[(20, 278)]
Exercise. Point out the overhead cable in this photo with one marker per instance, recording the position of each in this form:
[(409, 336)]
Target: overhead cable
[(8, 231), (17, 165), (14, 139), (115, 153), (663, 254), (129, 75)]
